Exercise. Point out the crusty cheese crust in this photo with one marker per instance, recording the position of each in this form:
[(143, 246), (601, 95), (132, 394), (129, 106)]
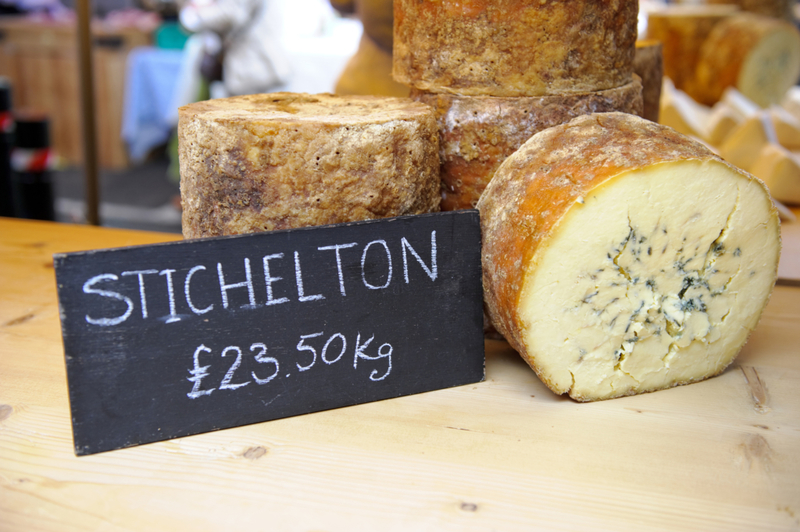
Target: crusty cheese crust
[(284, 160), (514, 47), (534, 188), (477, 133)]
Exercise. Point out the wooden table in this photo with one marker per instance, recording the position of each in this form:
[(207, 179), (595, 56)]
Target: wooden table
[(505, 454)]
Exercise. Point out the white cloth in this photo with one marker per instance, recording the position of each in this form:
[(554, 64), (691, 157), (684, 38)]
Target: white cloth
[(254, 59)]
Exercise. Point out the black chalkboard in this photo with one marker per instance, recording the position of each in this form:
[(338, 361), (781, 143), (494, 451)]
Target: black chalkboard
[(175, 339)]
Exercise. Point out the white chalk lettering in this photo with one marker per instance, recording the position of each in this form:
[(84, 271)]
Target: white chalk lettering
[(188, 297), (303, 347), (336, 248), (226, 382), (268, 279), (140, 274), (88, 288), (248, 282), (388, 260), (261, 358), (433, 271), (359, 353), (325, 348), (299, 278), (173, 317), (198, 372)]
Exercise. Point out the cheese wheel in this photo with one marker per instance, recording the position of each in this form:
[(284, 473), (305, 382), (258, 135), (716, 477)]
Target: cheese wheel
[(648, 64), (284, 160), (682, 31), (514, 47), (477, 133), (620, 257), (758, 55)]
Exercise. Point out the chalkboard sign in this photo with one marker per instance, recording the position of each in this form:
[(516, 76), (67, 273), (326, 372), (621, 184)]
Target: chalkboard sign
[(175, 339)]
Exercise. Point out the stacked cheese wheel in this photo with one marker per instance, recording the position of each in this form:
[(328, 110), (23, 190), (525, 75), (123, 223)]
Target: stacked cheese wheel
[(496, 72), (285, 160), (621, 257)]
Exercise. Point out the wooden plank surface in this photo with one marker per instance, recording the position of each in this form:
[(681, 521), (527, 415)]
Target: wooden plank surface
[(505, 454)]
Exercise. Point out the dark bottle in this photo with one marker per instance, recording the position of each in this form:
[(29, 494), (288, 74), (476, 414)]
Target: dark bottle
[(31, 160), (6, 143)]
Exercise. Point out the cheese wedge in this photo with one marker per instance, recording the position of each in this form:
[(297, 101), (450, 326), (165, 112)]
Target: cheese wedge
[(743, 146), (284, 160), (780, 170), (787, 127), (620, 257), (680, 112), (722, 121)]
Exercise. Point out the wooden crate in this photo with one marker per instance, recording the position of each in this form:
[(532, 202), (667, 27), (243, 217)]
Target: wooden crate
[(41, 60)]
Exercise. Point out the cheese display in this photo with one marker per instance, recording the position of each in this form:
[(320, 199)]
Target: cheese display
[(514, 47), (286, 160), (758, 55), (620, 257), (477, 133), (682, 30), (648, 64)]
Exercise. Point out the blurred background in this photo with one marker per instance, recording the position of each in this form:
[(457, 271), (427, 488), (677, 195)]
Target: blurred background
[(152, 56)]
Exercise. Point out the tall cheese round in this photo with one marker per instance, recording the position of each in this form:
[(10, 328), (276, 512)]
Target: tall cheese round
[(477, 133), (621, 257), (284, 160), (514, 47)]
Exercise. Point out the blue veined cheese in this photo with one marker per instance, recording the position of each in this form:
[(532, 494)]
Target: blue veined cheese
[(657, 267)]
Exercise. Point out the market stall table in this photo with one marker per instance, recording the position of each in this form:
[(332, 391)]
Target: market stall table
[(504, 454)]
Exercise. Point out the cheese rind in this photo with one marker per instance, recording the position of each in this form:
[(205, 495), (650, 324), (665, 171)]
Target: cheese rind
[(477, 133), (620, 257), (285, 160), (514, 47)]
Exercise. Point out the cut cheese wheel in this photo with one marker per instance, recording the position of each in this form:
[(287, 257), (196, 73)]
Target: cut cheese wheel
[(649, 66), (780, 170), (514, 47), (477, 133), (758, 55), (682, 30), (284, 160), (621, 257)]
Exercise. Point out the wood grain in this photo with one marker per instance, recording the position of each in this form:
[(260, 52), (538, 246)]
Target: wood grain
[(505, 454)]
